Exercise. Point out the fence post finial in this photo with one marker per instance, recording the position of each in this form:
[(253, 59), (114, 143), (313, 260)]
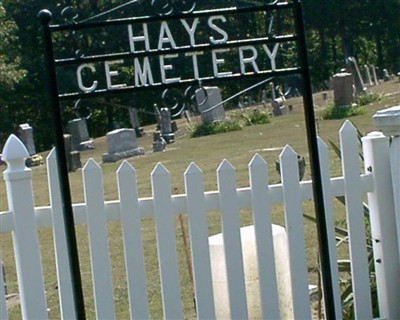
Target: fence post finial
[(15, 154)]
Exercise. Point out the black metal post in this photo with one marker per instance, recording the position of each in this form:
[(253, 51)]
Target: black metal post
[(315, 167), (45, 17)]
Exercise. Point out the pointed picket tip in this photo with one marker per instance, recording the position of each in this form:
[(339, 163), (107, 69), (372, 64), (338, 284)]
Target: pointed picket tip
[(347, 127), (125, 167), (288, 152), (225, 166), (257, 160), (322, 144), (91, 165), (52, 155), (193, 169), (159, 169), (14, 149)]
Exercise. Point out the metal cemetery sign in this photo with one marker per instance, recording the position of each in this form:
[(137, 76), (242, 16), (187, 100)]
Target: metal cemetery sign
[(176, 45)]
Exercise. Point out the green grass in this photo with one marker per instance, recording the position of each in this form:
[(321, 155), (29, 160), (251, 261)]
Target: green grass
[(208, 151)]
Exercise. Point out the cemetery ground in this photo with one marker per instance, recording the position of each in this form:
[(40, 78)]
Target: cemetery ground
[(207, 152)]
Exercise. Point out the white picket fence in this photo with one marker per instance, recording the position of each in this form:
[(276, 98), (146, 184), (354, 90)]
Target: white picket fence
[(23, 219)]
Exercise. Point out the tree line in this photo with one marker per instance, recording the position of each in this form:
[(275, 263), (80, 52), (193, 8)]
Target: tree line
[(336, 30)]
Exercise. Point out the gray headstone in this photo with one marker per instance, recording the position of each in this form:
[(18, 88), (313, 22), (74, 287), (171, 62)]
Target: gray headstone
[(134, 118), (207, 98), (358, 81), (272, 85), (121, 143), (158, 115), (368, 79), (342, 89), (386, 75), (186, 115), (120, 140), (80, 134), (159, 144), (278, 109), (26, 135), (73, 157), (165, 121), (374, 75)]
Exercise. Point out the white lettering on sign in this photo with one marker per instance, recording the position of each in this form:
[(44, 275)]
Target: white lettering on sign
[(144, 38), (247, 60), (191, 30), (222, 32), (143, 75), (80, 81), (217, 62), (164, 67), (204, 62), (165, 36), (272, 55), (112, 73), (195, 62)]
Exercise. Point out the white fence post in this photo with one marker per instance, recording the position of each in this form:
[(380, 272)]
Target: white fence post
[(388, 121), (383, 226), (18, 180)]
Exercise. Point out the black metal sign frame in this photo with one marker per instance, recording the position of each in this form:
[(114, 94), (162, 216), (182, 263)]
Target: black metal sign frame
[(56, 97)]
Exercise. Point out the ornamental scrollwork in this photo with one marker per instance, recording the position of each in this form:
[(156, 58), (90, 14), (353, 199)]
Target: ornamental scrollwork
[(168, 7), (178, 101)]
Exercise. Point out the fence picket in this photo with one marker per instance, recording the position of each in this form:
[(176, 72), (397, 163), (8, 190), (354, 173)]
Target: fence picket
[(264, 241), (355, 221), (330, 226), (133, 244), (198, 231), (65, 291), (98, 241), (166, 242), (295, 232), (231, 236)]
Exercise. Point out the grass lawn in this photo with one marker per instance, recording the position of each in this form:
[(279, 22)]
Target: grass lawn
[(207, 152)]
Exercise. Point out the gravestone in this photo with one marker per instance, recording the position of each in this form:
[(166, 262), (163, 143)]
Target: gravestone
[(121, 143), (386, 75), (25, 132), (73, 157), (158, 116), (273, 91), (166, 125), (135, 122), (342, 89), (278, 108), (357, 79), (376, 81), (207, 99), (368, 79), (80, 135), (186, 115), (159, 143)]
